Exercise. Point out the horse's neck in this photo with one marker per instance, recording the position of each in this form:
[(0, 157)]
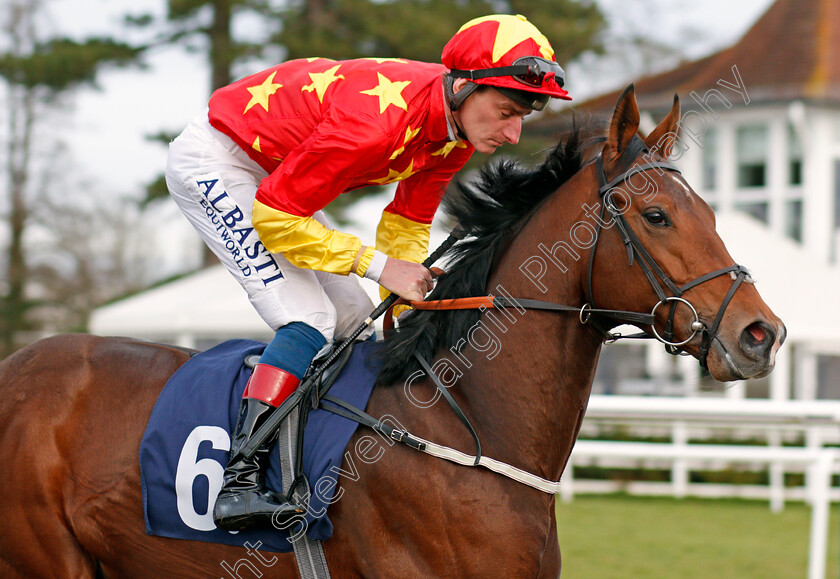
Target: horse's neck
[(528, 399), (527, 403)]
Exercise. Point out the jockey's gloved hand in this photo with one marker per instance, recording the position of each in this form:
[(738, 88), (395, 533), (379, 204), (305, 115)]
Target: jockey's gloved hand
[(408, 280)]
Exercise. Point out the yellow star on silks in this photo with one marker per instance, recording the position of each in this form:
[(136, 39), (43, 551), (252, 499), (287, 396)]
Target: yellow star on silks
[(321, 81), (261, 92), (513, 30), (389, 93), (448, 147), (394, 176), (409, 134), (381, 60)]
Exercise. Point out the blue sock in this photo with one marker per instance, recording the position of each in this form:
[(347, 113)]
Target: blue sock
[(293, 348)]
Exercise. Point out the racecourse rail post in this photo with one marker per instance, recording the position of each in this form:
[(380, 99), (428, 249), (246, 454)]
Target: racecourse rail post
[(277, 416)]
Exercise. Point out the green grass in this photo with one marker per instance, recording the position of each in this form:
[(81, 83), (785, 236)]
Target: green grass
[(620, 536)]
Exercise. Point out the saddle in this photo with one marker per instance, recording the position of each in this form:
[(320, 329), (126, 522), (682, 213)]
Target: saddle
[(187, 441)]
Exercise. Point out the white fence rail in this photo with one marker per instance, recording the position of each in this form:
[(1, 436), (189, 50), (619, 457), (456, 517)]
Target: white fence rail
[(818, 422), (791, 411)]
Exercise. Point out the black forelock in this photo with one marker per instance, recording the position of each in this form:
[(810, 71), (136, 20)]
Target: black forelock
[(493, 208)]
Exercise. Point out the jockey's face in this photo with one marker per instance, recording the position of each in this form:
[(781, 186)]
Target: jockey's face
[(489, 118)]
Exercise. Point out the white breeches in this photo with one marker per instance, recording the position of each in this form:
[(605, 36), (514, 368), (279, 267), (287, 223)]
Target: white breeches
[(214, 183)]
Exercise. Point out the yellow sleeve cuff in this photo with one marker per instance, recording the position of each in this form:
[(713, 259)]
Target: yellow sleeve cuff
[(362, 261), (305, 242)]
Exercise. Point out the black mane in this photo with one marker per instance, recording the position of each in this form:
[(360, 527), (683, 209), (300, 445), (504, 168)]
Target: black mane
[(493, 208)]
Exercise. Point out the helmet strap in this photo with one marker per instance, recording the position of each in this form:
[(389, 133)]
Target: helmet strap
[(458, 130), (455, 100)]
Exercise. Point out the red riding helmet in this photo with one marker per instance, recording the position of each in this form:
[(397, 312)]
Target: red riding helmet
[(508, 53)]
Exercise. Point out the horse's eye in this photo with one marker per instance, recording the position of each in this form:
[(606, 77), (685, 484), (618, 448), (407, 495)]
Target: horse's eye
[(656, 217)]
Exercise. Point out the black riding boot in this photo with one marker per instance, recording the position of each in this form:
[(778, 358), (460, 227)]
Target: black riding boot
[(244, 501)]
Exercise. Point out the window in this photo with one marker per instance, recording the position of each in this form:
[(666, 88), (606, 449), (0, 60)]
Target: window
[(828, 377), (752, 151), (835, 246), (793, 219), (710, 160), (751, 146), (794, 158), (759, 209), (793, 205), (620, 365), (837, 195)]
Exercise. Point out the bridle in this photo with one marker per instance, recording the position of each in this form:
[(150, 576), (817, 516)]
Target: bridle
[(636, 252), (653, 272)]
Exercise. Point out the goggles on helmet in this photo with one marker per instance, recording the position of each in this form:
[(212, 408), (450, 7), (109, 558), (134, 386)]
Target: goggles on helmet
[(529, 70)]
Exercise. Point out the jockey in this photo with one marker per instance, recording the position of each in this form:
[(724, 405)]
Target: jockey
[(276, 147)]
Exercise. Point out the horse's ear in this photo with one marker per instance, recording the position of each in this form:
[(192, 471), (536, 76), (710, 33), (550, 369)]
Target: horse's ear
[(624, 123), (663, 137)]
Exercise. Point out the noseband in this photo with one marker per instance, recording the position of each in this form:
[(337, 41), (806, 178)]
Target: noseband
[(656, 276), (636, 252)]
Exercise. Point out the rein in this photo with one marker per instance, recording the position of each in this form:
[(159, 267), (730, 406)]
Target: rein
[(636, 252), (500, 302)]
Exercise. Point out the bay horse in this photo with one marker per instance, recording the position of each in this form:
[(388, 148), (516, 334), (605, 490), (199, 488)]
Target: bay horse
[(74, 407)]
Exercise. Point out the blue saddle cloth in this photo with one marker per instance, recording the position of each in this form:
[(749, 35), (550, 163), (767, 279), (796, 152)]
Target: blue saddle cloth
[(187, 441)]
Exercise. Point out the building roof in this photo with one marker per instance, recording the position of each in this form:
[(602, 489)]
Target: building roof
[(209, 303), (791, 53)]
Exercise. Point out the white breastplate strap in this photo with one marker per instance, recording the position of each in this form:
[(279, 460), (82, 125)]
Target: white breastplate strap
[(496, 466), (438, 451)]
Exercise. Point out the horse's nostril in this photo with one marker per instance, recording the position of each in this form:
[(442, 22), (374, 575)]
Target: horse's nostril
[(757, 339), (757, 332)]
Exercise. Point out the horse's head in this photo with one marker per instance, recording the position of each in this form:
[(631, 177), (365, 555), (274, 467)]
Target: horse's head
[(651, 217)]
